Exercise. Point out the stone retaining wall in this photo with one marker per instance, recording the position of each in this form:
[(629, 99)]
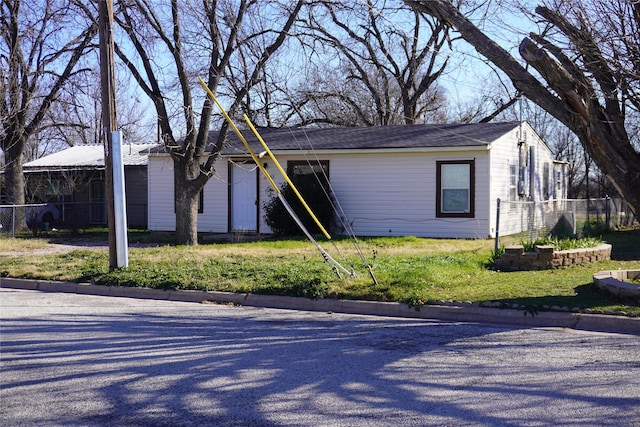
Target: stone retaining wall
[(545, 257)]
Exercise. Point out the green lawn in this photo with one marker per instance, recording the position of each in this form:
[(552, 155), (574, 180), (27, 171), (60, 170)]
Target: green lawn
[(407, 269)]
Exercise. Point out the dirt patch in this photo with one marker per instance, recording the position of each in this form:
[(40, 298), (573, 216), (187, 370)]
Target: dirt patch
[(53, 249)]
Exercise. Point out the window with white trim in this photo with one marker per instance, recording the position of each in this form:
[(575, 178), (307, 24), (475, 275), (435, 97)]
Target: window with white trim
[(513, 182)]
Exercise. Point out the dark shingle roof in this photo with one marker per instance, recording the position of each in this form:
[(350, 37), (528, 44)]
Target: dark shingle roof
[(373, 137), (368, 138)]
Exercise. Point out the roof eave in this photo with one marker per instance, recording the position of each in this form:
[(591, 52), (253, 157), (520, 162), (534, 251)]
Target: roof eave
[(372, 150)]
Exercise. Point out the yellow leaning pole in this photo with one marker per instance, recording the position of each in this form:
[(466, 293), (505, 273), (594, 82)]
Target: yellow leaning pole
[(293, 187), (286, 177), (337, 267), (254, 156)]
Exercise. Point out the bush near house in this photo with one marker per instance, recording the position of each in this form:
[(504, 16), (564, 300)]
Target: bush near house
[(314, 194)]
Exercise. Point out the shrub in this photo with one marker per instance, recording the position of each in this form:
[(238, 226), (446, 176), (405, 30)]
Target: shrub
[(594, 227), (279, 220), (562, 244), (496, 253)]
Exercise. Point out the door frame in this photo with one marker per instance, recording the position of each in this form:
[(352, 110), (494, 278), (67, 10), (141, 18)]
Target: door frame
[(231, 165)]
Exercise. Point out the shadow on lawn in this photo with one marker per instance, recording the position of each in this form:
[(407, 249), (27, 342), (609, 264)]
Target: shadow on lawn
[(586, 296), (625, 247), (625, 244)]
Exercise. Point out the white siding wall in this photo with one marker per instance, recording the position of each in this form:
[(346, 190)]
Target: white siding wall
[(483, 197), (504, 152), (161, 205), (394, 194), (215, 217), (160, 179)]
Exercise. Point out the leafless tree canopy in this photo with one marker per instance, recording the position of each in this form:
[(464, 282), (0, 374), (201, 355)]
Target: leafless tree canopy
[(37, 59), (173, 42), (586, 74), (376, 63)]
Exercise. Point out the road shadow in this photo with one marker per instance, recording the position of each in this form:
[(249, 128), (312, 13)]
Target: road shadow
[(245, 368)]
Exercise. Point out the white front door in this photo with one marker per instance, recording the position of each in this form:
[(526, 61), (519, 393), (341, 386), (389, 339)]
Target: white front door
[(244, 197)]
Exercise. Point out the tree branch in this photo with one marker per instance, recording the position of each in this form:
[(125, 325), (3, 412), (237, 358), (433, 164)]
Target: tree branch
[(521, 78)]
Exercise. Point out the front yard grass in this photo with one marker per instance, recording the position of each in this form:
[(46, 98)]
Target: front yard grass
[(408, 269)]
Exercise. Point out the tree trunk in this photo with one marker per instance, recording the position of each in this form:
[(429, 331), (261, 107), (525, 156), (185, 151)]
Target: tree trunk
[(186, 220), (186, 205), (409, 110), (600, 130), (572, 100), (14, 179)]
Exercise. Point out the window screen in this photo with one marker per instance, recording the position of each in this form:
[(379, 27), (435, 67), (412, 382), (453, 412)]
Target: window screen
[(455, 188)]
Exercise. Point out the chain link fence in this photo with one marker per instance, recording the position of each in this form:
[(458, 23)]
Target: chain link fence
[(15, 218), (73, 216), (561, 218)]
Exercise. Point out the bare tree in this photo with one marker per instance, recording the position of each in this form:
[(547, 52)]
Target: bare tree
[(76, 118), (37, 59), (175, 41), (567, 148), (381, 64), (586, 64), (327, 97)]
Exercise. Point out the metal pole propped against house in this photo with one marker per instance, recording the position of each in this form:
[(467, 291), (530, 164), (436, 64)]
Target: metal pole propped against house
[(293, 187), (337, 267)]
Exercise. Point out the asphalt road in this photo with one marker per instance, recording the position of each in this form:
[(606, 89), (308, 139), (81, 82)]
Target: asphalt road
[(81, 360)]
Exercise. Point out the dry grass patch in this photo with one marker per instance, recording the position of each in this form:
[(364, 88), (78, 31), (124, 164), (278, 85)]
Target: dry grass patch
[(10, 245)]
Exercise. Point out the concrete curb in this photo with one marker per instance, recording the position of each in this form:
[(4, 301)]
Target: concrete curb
[(455, 313)]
